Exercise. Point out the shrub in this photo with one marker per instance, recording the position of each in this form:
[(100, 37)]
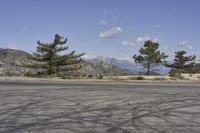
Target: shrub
[(100, 76), (181, 77), (140, 78), (84, 75), (173, 73), (136, 78), (90, 76), (159, 78), (132, 78)]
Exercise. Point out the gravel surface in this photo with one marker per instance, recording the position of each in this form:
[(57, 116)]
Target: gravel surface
[(99, 107)]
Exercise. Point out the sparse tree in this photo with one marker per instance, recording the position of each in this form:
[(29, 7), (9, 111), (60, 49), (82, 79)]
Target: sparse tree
[(51, 61), (150, 57), (103, 68), (182, 63)]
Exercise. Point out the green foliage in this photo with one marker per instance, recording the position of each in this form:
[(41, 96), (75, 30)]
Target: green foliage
[(50, 61), (140, 78), (160, 78), (84, 75), (100, 76), (182, 61), (150, 56), (182, 64), (173, 72), (90, 76), (136, 78), (195, 68)]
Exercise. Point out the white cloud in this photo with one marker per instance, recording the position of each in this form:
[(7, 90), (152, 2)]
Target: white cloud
[(165, 48), (185, 45), (127, 43), (10, 46), (138, 41), (103, 22), (110, 33), (141, 40)]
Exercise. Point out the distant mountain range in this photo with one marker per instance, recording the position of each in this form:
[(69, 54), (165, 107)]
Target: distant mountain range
[(125, 64)]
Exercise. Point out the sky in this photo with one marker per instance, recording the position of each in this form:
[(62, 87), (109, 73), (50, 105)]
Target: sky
[(111, 28)]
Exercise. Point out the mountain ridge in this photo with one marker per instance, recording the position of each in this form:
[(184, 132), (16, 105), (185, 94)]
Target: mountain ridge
[(126, 64)]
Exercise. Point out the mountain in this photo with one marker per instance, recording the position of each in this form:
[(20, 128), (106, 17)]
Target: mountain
[(10, 60), (93, 69), (128, 65), (124, 64)]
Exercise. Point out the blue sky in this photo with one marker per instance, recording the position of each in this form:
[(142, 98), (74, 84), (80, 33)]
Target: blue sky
[(114, 28)]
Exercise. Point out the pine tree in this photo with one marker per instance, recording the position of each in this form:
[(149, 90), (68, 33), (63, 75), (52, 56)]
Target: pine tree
[(182, 63), (51, 61), (150, 56)]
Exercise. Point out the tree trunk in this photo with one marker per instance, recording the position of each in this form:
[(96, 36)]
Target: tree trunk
[(148, 69)]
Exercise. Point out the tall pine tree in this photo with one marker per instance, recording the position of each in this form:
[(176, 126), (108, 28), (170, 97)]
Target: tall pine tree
[(51, 61), (182, 63), (150, 56)]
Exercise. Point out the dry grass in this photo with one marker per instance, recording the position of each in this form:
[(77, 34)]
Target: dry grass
[(190, 77)]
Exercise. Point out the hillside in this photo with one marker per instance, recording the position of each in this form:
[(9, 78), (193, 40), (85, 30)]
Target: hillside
[(10, 60)]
